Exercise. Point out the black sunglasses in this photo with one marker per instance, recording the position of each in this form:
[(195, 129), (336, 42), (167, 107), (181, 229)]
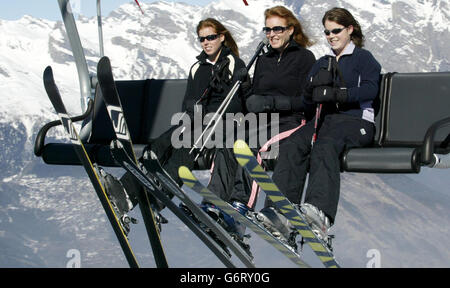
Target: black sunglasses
[(276, 29), (334, 31), (209, 38)]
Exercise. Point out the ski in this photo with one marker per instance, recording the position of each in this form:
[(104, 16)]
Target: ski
[(55, 99), (160, 175), (115, 112), (248, 220), (120, 155), (248, 161)]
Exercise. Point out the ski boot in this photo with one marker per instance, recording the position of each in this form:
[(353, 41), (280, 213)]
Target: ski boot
[(278, 225), (233, 227), (320, 224), (120, 201)]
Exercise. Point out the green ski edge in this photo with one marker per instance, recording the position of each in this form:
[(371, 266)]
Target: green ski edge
[(248, 161), (192, 182)]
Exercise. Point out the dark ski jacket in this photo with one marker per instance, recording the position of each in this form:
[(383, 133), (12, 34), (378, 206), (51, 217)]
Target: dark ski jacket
[(283, 76), (361, 75), (218, 78)]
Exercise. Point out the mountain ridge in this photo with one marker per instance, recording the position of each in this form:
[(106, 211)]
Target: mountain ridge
[(376, 211)]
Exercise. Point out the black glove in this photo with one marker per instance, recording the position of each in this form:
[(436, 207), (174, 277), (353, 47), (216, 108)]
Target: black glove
[(259, 103), (282, 103), (297, 104), (329, 94), (246, 87), (322, 78), (288, 103)]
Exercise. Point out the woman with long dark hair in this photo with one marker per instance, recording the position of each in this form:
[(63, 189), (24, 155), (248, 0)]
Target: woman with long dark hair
[(210, 79), (344, 83)]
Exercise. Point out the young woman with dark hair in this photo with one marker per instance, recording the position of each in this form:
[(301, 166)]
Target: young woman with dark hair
[(344, 83), (210, 79)]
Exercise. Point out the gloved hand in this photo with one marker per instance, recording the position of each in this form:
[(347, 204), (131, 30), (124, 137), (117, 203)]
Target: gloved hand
[(282, 103), (324, 94), (259, 103), (297, 104), (245, 90), (322, 78)]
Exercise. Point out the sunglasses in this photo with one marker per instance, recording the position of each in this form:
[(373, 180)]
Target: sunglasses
[(209, 38), (276, 29), (334, 31)]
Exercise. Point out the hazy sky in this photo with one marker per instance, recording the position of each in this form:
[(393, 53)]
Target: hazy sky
[(49, 9)]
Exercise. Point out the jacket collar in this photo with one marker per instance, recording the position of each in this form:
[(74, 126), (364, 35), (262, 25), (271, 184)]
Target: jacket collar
[(293, 45), (348, 50)]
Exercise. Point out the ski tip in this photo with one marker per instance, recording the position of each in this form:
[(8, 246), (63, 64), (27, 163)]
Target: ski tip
[(240, 147), (49, 83), (184, 172), (48, 74), (48, 70), (104, 59), (102, 62)]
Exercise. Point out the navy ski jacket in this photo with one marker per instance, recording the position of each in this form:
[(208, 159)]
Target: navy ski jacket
[(361, 76)]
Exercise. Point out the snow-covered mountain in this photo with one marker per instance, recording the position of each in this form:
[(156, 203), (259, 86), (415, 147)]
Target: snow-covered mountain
[(46, 211)]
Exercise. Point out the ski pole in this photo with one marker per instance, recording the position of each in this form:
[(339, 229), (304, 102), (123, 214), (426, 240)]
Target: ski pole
[(220, 111), (319, 110), (228, 98), (219, 116), (316, 123)]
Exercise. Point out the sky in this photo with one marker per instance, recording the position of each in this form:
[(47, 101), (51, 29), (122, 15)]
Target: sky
[(49, 9)]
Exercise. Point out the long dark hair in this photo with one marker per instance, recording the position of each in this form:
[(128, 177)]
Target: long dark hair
[(344, 17), (220, 29), (299, 34)]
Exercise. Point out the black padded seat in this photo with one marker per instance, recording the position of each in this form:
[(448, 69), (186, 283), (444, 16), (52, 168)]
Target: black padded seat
[(408, 104)]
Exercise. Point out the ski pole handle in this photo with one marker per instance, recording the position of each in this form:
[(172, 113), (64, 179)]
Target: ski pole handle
[(261, 45)]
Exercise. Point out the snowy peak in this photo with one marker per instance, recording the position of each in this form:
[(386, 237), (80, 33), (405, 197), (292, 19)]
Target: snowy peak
[(37, 211), (405, 36)]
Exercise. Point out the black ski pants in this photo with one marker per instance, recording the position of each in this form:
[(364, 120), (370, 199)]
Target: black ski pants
[(337, 133), (228, 179)]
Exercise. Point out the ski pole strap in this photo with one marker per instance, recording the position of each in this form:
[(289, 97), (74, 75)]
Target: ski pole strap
[(264, 148)]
